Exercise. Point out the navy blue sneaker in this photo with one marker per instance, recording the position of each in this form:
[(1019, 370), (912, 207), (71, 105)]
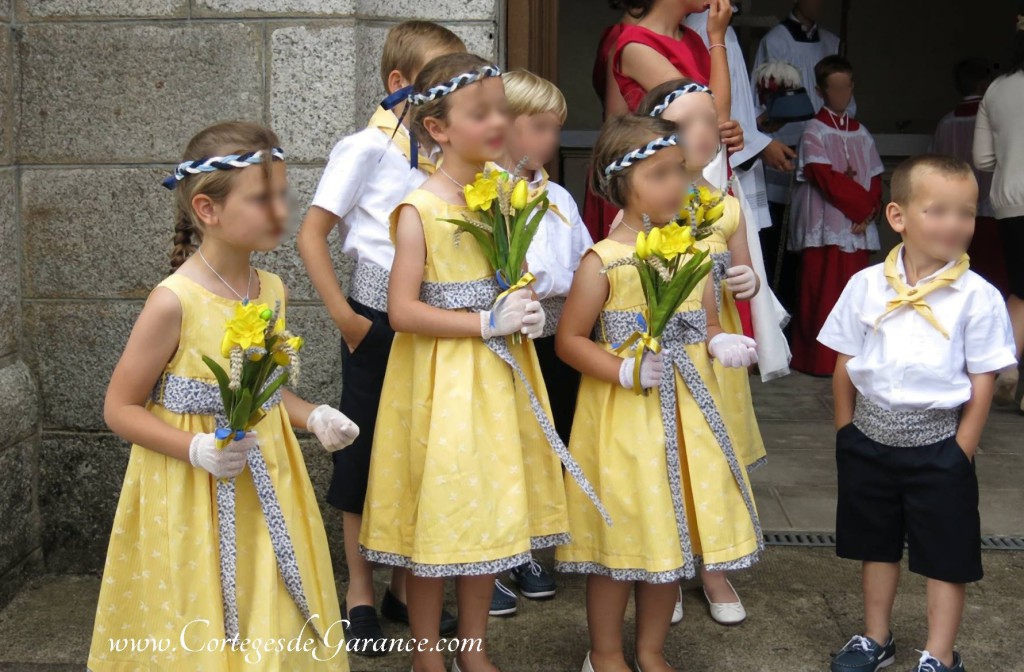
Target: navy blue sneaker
[(362, 631), (533, 580), (863, 654), (503, 600), (930, 664)]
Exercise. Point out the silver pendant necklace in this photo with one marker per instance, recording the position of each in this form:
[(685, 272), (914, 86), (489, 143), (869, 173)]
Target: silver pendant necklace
[(248, 287)]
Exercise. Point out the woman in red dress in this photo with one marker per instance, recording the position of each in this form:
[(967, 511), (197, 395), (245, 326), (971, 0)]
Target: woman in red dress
[(651, 46)]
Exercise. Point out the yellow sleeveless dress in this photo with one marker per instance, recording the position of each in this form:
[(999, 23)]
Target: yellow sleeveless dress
[(462, 479), (677, 496), (734, 383), (162, 580)]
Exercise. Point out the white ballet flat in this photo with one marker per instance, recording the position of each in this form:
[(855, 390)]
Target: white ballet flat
[(727, 613), (587, 667), (677, 611)]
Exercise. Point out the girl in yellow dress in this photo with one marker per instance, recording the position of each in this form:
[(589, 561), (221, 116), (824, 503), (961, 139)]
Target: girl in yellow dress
[(663, 463), (218, 558), (464, 481), (690, 106)]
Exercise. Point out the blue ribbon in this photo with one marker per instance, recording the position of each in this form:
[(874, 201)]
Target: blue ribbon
[(224, 432), (391, 102)]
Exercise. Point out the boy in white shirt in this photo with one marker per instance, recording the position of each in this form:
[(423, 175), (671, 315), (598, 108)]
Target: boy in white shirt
[(920, 339), (538, 110), (366, 177)]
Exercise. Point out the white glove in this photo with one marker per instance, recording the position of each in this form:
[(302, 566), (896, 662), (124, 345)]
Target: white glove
[(650, 371), (733, 350), (332, 427), (506, 315), (534, 320), (741, 281), (226, 462)]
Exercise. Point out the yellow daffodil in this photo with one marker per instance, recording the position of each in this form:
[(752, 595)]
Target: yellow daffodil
[(245, 329), (520, 195), (674, 241), (642, 250), (482, 192), (705, 195)]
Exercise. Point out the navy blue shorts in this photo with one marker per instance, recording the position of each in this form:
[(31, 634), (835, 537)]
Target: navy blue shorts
[(927, 495)]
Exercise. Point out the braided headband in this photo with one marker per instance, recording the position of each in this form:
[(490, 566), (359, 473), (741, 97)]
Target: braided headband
[(692, 87), (644, 152), (210, 164), (453, 84)]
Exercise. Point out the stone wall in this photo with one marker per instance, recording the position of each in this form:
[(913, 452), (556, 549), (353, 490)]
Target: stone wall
[(97, 99)]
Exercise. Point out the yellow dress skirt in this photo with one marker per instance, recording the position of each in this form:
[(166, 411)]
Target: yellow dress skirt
[(662, 463), (734, 383), (464, 474), (162, 605)]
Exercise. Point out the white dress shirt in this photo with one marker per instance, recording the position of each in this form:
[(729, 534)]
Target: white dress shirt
[(556, 250), (366, 178), (906, 363)]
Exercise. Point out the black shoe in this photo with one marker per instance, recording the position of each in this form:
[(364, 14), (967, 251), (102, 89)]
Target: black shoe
[(363, 633), (393, 609)]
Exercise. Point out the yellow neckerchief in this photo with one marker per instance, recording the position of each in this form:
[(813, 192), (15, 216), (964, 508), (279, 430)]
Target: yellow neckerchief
[(914, 296), (387, 123)]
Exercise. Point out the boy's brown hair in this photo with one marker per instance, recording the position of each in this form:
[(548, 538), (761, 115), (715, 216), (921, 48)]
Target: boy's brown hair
[(531, 94), (829, 66), (902, 186), (439, 71), (407, 44), (620, 136)]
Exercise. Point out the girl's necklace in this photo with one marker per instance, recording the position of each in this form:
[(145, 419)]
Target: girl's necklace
[(454, 181), (248, 287), (626, 224)]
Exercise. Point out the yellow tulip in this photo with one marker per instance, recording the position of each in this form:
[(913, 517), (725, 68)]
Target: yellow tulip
[(714, 213), (654, 242), (481, 193), (704, 194), (281, 357), (520, 195), (641, 246)]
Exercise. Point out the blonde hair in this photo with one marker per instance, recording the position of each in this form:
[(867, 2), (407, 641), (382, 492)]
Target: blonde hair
[(407, 44), (231, 137), (531, 94), (439, 71), (620, 136)]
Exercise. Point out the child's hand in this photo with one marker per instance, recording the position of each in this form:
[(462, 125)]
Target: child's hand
[(732, 135), (533, 320), (858, 229), (733, 350), (719, 16), (778, 155), (332, 427), (741, 281), (226, 462), (354, 331), (506, 316), (650, 371)]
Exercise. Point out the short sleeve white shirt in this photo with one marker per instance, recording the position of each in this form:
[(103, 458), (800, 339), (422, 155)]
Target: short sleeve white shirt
[(366, 178), (906, 363)]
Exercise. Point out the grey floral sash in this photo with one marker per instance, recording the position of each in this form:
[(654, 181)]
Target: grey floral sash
[(685, 328), (189, 396), (479, 295)]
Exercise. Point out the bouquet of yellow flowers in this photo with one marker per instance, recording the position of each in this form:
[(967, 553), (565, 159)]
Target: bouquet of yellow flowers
[(257, 344), (670, 268), (702, 209), (503, 220)]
